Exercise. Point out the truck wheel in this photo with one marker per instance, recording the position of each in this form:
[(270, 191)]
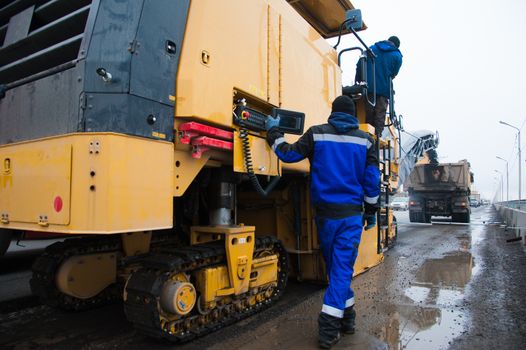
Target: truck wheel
[(427, 218), (466, 218), (5, 240), (416, 217)]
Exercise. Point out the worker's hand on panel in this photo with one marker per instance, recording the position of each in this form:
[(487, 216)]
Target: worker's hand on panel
[(271, 122)]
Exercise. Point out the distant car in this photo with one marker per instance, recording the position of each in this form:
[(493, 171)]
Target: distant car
[(400, 203), (473, 203)]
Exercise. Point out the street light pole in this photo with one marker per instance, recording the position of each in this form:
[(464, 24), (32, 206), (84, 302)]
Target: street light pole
[(501, 185), (507, 179), (496, 183), (520, 164)]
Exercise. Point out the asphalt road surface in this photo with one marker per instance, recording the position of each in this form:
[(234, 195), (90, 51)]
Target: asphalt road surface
[(444, 286)]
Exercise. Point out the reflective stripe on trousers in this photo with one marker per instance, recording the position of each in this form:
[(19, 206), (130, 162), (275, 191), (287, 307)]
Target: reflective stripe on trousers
[(339, 241)]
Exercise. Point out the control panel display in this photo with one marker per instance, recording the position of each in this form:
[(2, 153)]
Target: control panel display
[(290, 122)]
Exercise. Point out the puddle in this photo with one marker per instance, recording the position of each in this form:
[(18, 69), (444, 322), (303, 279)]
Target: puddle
[(471, 238), (417, 294), (477, 235), (452, 270), (434, 331), (430, 313)]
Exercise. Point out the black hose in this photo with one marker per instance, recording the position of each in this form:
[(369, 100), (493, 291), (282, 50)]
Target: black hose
[(297, 223), (245, 144)]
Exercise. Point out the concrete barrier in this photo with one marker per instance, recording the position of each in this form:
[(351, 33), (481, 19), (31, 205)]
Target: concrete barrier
[(514, 219)]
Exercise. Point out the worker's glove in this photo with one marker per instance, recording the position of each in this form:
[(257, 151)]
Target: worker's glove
[(271, 122), (369, 221), (369, 216)]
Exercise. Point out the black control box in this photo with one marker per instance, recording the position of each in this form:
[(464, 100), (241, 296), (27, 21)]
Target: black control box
[(290, 122), (250, 118)]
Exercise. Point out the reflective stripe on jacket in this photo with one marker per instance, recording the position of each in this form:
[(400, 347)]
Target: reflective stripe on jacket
[(344, 166)]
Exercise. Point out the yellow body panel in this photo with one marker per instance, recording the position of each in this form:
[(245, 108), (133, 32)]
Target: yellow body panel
[(264, 160), (109, 183), (367, 252), (272, 55), (21, 200), (204, 87)]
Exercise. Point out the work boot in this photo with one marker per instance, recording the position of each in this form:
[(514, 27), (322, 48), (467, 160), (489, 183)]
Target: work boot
[(329, 330), (348, 320)]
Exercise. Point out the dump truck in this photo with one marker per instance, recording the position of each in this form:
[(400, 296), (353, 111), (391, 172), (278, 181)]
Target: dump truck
[(441, 189), (135, 130)]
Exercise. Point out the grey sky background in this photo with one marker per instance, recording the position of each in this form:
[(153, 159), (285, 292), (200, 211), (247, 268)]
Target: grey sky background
[(464, 69)]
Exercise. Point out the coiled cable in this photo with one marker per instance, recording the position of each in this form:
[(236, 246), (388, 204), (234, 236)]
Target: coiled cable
[(247, 155)]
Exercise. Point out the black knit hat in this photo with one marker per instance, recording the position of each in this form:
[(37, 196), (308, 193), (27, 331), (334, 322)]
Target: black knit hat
[(395, 41), (343, 104)]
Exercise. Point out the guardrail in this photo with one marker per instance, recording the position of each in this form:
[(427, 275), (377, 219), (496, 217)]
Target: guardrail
[(514, 218), (513, 204)]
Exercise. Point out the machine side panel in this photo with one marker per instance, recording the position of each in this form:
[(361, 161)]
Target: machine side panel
[(225, 47), (35, 181), (310, 78), (204, 89), (274, 57), (32, 110), (128, 114), (118, 184), (212, 67), (137, 42), (110, 45), (157, 49)]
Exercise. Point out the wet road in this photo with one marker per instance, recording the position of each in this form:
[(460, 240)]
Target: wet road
[(442, 287)]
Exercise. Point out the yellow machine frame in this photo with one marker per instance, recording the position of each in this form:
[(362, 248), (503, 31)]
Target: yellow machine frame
[(106, 183), (97, 183)]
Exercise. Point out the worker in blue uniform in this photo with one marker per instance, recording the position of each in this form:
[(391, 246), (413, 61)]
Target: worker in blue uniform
[(345, 186), (387, 65)]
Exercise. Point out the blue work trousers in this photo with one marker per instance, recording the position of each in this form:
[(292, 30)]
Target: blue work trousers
[(339, 241)]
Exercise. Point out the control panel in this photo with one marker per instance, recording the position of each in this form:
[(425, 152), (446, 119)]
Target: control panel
[(250, 118), (290, 122)]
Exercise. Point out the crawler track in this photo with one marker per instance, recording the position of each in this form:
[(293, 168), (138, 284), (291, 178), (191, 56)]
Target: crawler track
[(45, 266), (143, 289), (43, 280)]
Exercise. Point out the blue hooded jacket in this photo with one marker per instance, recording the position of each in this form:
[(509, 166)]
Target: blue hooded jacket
[(387, 64), (343, 164)]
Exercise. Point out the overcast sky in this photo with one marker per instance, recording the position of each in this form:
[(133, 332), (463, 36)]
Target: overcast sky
[(464, 70)]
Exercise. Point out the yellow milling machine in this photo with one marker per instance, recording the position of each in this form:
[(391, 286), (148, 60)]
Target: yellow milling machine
[(132, 131)]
